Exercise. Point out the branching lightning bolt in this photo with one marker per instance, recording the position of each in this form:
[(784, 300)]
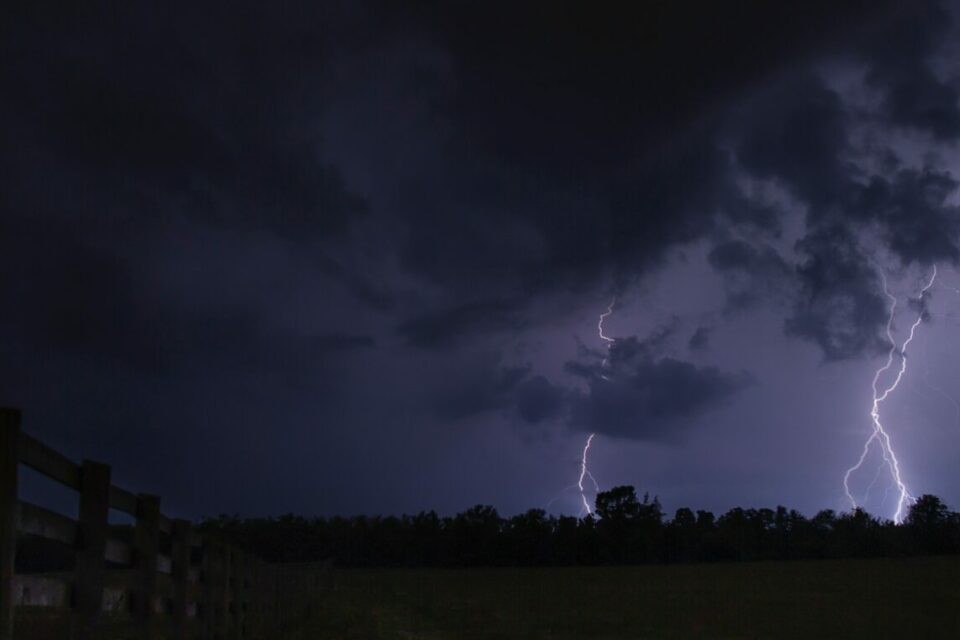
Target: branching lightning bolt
[(584, 464), (585, 473), (879, 432), (605, 338), (584, 470)]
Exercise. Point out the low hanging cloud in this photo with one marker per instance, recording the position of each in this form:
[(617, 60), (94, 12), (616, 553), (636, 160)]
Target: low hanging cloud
[(648, 398), (635, 393), (915, 96), (752, 274), (700, 340), (846, 168), (538, 400), (456, 324), (919, 223), (840, 308)]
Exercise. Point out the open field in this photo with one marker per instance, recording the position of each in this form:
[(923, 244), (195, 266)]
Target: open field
[(813, 599)]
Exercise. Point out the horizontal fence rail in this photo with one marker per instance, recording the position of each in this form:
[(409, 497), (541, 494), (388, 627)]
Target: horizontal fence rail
[(155, 580)]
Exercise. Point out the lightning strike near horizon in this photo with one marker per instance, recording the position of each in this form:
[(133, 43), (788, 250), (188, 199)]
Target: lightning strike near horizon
[(879, 432), (584, 465), (585, 473)]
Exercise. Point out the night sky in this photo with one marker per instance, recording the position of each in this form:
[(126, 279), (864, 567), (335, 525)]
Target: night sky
[(350, 257)]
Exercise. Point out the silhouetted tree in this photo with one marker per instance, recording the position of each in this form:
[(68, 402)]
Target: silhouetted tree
[(681, 537), (529, 538), (623, 529), (630, 530), (929, 521)]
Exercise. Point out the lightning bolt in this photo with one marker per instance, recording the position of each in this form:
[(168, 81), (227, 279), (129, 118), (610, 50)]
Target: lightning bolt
[(605, 338), (584, 465), (879, 433), (585, 473)]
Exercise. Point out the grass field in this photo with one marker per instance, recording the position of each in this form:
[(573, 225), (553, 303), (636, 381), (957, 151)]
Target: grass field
[(903, 598)]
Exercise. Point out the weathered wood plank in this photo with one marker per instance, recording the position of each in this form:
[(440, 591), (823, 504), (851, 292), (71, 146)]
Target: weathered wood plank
[(164, 564), (196, 540), (123, 500), (90, 570), (182, 531), (41, 591), (123, 579), (118, 552), (10, 438), (232, 594), (147, 536), (37, 521), (117, 600), (49, 462)]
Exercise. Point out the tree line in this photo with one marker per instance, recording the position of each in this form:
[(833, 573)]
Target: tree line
[(623, 529)]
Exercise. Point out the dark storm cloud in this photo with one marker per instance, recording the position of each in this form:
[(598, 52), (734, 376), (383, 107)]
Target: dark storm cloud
[(446, 327), (512, 152), (798, 133), (639, 394), (538, 400), (539, 232), (71, 298), (737, 255), (610, 157), (364, 288), (504, 211), (795, 132), (700, 340), (652, 399), (634, 391), (137, 129), (841, 307), (134, 131), (914, 96), (517, 216), (752, 273), (342, 342), (608, 81), (920, 225), (151, 116), (485, 385)]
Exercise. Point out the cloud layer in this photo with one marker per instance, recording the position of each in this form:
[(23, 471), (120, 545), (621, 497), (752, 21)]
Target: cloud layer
[(377, 226)]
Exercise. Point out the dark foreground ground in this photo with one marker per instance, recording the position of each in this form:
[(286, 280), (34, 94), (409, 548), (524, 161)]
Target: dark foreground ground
[(903, 598)]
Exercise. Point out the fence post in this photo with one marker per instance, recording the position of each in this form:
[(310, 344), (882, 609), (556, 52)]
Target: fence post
[(90, 570), (9, 461), (147, 540), (182, 534)]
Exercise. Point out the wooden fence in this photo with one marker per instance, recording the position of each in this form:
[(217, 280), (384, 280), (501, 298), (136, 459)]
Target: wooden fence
[(159, 579)]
